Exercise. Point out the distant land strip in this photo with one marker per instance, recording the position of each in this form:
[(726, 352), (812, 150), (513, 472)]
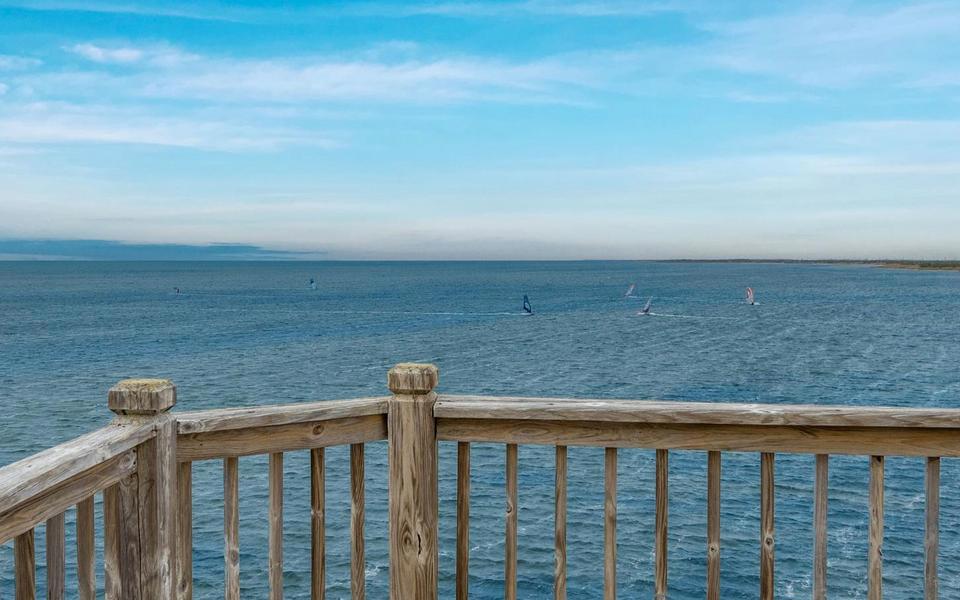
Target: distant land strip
[(919, 265)]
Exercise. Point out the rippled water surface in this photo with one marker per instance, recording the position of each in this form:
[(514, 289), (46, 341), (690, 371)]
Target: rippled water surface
[(244, 334)]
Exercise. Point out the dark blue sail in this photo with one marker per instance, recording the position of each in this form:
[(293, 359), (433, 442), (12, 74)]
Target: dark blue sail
[(526, 305)]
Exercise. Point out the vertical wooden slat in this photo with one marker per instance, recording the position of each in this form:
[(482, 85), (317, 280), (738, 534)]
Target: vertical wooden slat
[(184, 540), (56, 557), (560, 527), (358, 584), (111, 543), (662, 501), (231, 528), (463, 521), (121, 545), (820, 487), (766, 525), (713, 525), (610, 524), (510, 542), (275, 535), (25, 567), (875, 559), (931, 546), (86, 568), (318, 524)]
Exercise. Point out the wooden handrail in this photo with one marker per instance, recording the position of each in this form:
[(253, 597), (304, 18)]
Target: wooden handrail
[(692, 413), (142, 463)]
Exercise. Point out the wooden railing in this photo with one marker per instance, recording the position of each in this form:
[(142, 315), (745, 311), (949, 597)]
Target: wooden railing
[(143, 466)]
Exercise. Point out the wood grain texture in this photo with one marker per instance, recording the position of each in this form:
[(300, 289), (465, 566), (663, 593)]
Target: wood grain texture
[(25, 567), (184, 572), (281, 438), (714, 464), (318, 524), (231, 528), (37, 474), (510, 537), (767, 462), (275, 534), (662, 503), (111, 542), (156, 506), (413, 503), (742, 438), (610, 524), (86, 564), (358, 582), (931, 543), (58, 498), (875, 556), (560, 526), (692, 413), (142, 396), (56, 557), (463, 521), (820, 496), (224, 419)]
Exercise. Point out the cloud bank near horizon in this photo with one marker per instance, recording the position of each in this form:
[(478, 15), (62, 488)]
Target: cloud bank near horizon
[(508, 129)]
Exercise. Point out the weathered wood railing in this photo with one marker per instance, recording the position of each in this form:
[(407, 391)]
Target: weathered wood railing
[(143, 465)]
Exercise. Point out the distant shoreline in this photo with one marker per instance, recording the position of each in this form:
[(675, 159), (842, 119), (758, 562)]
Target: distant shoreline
[(915, 265)]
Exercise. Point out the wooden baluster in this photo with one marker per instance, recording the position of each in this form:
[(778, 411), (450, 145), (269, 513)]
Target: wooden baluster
[(231, 528), (56, 557), (510, 545), (412, 450), (358, 584), (820, 487), (610, 524), (111, 543), (86, 567), (318, 524), (25, 567), (662, 496), (185, 531), (560, 527), (463, 521), (875, 560), (931, 546), (275, 542), (766, 525), (713, 525)]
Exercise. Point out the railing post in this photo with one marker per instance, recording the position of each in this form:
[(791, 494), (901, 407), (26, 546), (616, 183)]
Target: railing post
[(148, 517), (412, 449)]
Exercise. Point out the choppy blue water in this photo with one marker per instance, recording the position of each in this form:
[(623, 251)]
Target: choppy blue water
[(242, 334)]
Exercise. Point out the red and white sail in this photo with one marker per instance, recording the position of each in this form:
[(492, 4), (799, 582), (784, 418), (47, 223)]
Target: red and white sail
[(750, 296)]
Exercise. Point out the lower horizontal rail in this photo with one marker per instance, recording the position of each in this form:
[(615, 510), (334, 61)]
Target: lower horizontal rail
[(745, 438)]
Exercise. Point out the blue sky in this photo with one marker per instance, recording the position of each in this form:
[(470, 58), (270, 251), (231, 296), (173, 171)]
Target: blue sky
[(502, 129)]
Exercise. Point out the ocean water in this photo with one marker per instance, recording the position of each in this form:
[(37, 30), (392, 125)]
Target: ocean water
[(254, 333)]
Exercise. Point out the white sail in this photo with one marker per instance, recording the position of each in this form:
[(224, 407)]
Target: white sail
[(631, 291), (750, 296)]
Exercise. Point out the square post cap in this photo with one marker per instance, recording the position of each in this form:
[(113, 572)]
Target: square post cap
[(413, 379), (142, 396)]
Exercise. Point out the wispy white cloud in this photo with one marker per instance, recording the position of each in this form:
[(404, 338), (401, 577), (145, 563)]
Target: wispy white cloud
[(12, 63), (59, 123), (158, 55)]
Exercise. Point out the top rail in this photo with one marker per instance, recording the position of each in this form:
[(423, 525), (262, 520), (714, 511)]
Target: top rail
[(43, 471), (692, 413), (206, 421)]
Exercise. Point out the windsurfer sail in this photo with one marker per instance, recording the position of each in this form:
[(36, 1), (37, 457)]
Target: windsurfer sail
[(631, 291), (750, 297), (527, 308), (313, 283), (647, 307)]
